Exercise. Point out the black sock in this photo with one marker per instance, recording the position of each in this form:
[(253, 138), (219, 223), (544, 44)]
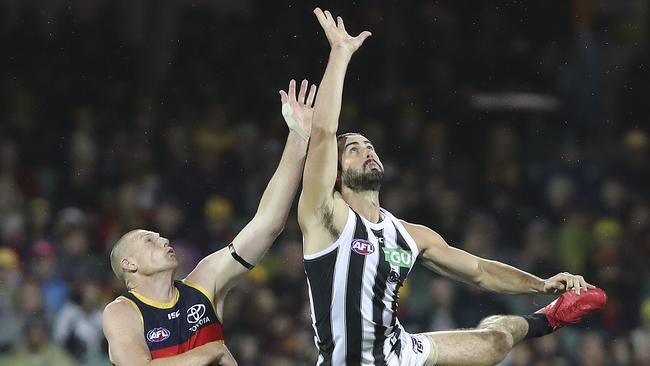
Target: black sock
[(538, 325)]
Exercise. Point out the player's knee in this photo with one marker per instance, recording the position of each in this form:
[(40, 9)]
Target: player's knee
[(490, 321), (500, 343)]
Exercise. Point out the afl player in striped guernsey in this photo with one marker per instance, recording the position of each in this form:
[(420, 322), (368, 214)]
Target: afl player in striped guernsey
[(357, 254), (160, 321)]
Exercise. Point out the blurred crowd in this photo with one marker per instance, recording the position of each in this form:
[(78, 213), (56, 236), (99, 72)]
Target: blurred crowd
[(518, 130)]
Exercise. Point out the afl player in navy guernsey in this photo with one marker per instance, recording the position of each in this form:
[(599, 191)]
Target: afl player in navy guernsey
[(160, 321), (357, 254)]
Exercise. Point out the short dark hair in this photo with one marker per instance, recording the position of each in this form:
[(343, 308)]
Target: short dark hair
[(339, 137), (344, 135)]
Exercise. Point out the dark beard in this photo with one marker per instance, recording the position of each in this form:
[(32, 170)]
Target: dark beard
[(360, 181)]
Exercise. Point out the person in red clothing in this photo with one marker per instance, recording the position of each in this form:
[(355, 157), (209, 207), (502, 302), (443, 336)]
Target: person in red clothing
[(160, 321)]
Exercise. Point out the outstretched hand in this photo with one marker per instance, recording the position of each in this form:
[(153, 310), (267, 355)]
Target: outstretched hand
[(563, 282), (298, 112), (336, 34)]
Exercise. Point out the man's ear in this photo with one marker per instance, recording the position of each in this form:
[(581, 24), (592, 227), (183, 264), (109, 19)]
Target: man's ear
[(128, 265)]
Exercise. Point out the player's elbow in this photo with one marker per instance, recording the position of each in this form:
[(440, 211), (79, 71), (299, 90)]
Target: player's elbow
[(482, 277), (276, 230), (271, 225)]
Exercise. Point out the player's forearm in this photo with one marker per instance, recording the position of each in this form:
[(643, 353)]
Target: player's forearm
[(202, 356), (205, 355), (328, 103), (499, 277)]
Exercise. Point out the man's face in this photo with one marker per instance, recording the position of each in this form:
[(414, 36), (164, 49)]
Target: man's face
[(151, 252), (361, 169)]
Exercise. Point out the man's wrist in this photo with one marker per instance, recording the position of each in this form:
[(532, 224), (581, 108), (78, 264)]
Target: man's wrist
[(539, 286), (341, 52), (301, 136)]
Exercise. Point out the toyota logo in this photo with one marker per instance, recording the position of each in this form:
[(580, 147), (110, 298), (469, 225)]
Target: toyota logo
[(195, 313)]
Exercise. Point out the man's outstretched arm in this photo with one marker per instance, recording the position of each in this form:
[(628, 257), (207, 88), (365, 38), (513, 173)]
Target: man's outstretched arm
[(490, 275), (320, 173), (221, 270)]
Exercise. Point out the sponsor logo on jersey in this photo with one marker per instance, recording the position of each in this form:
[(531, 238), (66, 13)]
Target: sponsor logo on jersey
[(362, 247), (398, 257), (195, 313), (158, 334), (417, 345), (393, 277), (174, 315), (195, 316)]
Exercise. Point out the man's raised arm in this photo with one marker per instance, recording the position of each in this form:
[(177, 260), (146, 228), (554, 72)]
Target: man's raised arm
[(221, 270), (320, 167)]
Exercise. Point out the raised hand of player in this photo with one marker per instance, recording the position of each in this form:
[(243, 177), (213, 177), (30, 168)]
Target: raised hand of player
[(298, 112), (336, 34), (564, 281)]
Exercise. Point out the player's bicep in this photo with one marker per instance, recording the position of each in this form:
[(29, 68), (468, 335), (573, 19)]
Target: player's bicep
[(444, 259), (319, 175), (124, 332), (218, 272)]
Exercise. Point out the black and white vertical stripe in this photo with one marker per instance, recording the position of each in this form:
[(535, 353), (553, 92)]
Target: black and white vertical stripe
[(354, 295)]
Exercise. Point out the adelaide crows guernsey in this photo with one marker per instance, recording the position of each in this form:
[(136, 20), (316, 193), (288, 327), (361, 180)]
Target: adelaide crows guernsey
[(187, 322), (353, 289)]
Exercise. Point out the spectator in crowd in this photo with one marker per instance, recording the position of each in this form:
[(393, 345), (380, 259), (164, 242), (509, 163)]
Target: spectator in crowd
[(78, 326), (641, 336), (36, 349), (10, 279), (110, 110)]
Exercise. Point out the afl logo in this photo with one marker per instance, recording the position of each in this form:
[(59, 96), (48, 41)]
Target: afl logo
[(362, 247), (195, 313), (158, 334)]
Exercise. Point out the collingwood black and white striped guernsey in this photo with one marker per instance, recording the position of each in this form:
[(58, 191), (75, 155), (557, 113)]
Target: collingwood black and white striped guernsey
[(353, 290)]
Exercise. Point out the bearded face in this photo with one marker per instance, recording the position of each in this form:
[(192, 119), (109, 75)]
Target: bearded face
[(360, 167), (369, 178)]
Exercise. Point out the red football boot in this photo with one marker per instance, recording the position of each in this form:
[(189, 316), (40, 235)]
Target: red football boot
[(571, 308)]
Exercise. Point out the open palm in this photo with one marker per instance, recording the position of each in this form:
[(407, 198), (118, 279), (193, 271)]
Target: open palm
[(336, 34), (298, 111)]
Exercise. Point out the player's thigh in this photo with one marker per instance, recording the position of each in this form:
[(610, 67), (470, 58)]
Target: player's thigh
[(466, 347)]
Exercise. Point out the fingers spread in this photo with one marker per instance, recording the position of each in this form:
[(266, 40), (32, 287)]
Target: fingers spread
[(340, 23), (284, 98), (322, 19), (303, 91), (330, 18), (362, 36), (292, 89), (312, 94)]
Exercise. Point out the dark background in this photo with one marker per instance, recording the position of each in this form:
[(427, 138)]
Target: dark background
[(518, 130)]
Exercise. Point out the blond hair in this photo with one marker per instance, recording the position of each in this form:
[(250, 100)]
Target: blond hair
[(120, 251)]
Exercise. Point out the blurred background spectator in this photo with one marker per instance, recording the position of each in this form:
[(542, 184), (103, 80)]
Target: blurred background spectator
[(516, 129)]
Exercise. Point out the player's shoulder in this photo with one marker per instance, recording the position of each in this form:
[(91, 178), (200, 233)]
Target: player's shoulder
[(121, 310), (419, 231), (412, 226)]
